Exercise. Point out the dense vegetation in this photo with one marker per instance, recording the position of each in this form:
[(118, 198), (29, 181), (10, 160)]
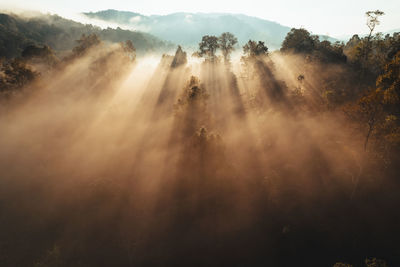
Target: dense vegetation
[(60, 34), (284, 158)]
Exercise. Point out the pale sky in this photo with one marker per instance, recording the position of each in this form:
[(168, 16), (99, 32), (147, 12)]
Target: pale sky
[(335, 17)]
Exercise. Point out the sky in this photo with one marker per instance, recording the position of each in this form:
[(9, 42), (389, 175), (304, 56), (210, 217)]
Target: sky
[(337, 18)]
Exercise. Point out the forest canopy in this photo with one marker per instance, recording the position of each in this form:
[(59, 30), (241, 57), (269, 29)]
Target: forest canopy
[(16, 33), (226, 154)]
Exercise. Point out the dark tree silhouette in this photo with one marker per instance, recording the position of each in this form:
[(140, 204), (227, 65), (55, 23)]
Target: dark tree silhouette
[(180, 58), (254, 49), (299, 41), (227, 42), (207, 47), (372, 22)]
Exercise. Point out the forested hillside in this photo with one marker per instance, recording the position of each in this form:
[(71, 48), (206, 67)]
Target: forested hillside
[(279, 158), (187, 28), (60, 34)]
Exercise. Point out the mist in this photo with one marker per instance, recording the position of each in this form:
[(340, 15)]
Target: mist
[(155, 161)]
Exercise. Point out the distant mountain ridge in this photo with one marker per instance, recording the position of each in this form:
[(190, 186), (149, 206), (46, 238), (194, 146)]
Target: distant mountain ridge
[(61, 34), (188, 28)]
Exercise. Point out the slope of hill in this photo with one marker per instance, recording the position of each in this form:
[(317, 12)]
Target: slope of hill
[(188, 28), (60, 34)]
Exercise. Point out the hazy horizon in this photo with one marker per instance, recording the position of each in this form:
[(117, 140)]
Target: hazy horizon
[(340, 19)]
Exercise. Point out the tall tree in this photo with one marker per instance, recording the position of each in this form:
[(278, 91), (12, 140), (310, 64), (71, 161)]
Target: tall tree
[(372, 22), (227, 42), (180, 58), (208, 47)]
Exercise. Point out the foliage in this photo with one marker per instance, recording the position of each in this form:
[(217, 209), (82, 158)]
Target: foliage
[(389, 84), (373, 19), (227, 42), (85, 43), (374, 262), (194, 92), (41, 54), (208, 47), (372, 104), (14, 75), (369, 112), (255, 49), (180, 58), (16, 33), (299, 41)]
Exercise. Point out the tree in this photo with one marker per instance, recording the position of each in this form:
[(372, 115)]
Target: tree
[(369, 112), (325, 51), (129, 49), (227, 42), (254, 49), (85, 43), (42, 54), (207, 47), (15, 74), (372, 22), (180, 58), (389, 84), (194, 92), (299, 41), (33, 51)]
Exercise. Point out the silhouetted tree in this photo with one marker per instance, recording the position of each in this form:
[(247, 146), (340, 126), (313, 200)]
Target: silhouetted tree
[(180, 58), (207, 47), (299, 41), (331, 53), (372, 22), (254, 49), (227, 42)]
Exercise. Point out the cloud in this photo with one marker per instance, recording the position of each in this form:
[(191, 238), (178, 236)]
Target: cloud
[(135, 19)]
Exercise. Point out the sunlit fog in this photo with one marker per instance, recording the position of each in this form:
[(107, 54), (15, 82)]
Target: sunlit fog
[(154, 147)]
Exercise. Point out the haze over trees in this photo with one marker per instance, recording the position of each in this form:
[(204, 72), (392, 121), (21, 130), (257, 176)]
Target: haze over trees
[(279, 158), (60, 34), (190, 27)]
